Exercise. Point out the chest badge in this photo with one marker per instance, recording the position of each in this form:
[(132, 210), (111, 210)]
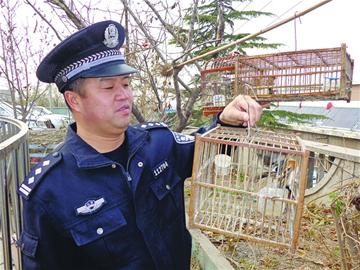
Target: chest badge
[(90, 207), (160, 168)]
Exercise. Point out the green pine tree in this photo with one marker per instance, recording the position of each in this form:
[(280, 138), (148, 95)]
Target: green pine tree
[(216, 26), (283, 119), (270, 119)]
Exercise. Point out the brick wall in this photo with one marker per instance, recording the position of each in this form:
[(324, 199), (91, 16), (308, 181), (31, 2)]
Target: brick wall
[(355, 92)]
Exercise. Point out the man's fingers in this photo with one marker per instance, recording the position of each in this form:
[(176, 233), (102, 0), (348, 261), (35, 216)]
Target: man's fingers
[(242, 110), (254, 110), (251, 108)]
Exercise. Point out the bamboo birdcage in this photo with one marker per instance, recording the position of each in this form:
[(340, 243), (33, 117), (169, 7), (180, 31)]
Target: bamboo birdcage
[(249, 186), (286, 76)]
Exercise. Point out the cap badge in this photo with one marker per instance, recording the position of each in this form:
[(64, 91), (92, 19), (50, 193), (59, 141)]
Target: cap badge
[(111, 35)]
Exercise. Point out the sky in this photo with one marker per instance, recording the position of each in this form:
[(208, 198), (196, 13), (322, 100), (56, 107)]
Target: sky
[(328, 26)]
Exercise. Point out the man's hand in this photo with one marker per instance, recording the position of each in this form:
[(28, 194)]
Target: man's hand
[(241, 111)]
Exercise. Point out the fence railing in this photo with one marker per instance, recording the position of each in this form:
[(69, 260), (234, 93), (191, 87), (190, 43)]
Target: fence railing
[(14, 165), (330, 168)]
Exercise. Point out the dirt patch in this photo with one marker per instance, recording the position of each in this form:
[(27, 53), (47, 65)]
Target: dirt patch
[(195, 264)]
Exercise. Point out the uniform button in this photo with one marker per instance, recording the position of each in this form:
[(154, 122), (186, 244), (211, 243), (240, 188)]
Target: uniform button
[(55, 154), (168, 187), (113, 165), (99, 231), (140, 164)]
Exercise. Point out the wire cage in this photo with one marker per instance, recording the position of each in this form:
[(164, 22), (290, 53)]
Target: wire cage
[(249, 184), (286, 76)]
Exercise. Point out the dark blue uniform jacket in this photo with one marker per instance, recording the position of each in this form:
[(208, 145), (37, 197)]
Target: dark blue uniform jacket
[(84, 211)]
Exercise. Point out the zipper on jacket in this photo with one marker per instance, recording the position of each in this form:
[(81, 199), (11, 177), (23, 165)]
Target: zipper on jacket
[(128, 176), (128, 163)]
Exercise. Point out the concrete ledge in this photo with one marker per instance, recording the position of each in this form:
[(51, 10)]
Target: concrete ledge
[(333, 150), (330, 131), (206, 253)]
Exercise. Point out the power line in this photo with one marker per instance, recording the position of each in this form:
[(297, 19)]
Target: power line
[(279, 17), (248, 4), (241, 26)]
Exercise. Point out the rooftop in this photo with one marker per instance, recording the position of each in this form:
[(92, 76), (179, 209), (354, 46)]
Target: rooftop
[(340, 114)]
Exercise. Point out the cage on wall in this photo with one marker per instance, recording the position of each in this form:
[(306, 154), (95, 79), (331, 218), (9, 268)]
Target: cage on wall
[(249, 184), (286, 76)]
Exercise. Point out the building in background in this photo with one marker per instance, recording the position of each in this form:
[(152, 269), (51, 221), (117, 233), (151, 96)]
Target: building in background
[(339, 113), (355, 92)]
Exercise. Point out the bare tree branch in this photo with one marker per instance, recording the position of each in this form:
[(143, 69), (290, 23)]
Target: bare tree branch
[(69, 13), (137, 114), (145, 32), (193, 48), (178, 98), (191, 27), (166, 26), (17, 53), (220, 25), (153, 85), (174, 35), (44, 19)]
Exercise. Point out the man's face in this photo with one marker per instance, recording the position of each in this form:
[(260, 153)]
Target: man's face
[(105, 105)]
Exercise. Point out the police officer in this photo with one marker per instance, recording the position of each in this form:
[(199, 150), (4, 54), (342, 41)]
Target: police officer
[(112, 196)]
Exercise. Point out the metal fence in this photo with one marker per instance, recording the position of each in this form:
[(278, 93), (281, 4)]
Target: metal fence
[(14, 165)]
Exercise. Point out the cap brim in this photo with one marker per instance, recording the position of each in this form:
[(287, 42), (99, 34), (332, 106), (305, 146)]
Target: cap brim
[(108, 70)]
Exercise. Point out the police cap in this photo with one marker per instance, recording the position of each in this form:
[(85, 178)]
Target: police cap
[(92, 52)]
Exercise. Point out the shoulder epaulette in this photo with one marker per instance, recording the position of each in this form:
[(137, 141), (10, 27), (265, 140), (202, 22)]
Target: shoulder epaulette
[(150, 125), (182, 138), (38, 173), (179, 137)]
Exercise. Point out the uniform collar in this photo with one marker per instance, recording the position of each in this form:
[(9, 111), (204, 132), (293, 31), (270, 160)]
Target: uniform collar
[(88, 158)]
